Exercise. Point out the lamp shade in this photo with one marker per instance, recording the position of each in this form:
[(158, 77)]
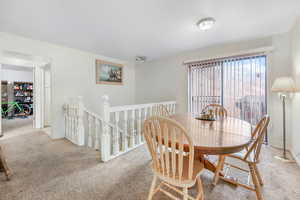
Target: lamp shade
[(284, 84)]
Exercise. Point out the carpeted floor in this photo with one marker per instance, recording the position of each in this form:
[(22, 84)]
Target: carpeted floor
[(17, 126), (47, 169)]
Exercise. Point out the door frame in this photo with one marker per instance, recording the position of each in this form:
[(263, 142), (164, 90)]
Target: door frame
[(38, 97), (38, 64)]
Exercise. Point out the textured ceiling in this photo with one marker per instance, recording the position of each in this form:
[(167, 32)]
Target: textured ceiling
[(153, 28)]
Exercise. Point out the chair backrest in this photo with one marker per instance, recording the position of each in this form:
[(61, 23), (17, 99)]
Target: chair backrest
[(217, 109), (161, 110), (169, 145), (258, 136)]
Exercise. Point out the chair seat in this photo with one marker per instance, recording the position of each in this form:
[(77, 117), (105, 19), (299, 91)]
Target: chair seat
[(197, 169)]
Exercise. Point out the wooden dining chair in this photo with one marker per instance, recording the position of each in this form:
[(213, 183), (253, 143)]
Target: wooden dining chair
[(173, 161), (3, 165), (218, 110), (161, 110), (250, 156)]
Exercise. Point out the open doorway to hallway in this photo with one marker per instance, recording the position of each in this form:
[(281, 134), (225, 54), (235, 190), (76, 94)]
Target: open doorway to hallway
[(16, 99), (25, 94)]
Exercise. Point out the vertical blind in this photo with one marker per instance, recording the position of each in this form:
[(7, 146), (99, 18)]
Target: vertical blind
[(238, 83)]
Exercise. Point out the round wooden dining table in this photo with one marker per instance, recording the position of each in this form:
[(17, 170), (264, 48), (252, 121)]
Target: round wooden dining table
[(220, 137)]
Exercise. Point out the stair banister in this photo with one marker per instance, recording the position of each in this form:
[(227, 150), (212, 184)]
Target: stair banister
[(116, 131)]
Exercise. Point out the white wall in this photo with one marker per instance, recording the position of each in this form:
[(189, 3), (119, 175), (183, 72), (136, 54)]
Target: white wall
[(16, 75), (73, 74), (279, 65), (166, 78), (295, 41)]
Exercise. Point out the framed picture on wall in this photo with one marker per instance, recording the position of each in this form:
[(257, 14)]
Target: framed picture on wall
[(109, 73)]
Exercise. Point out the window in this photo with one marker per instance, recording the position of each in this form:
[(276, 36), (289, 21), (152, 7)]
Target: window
[(237, 83)]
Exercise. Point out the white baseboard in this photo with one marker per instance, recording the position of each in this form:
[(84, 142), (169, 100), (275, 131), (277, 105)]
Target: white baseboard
[(296, 157)]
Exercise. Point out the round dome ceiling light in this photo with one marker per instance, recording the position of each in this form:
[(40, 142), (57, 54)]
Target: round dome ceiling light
[(206, 23)]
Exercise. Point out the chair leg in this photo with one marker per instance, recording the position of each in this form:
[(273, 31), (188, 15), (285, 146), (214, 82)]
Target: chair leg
[(4, 167), (8, 174), (200, 195), (152, 188), (256, 183), (219, 169), (258, 175), (185, 193)]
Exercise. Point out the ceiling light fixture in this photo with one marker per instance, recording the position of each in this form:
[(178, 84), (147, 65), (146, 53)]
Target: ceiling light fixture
[(206, 23), (140, 59)]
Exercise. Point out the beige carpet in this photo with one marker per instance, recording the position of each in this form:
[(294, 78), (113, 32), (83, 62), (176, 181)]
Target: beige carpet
[(17, 126), (47, 169)]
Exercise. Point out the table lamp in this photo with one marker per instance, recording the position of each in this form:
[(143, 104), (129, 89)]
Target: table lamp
[(284, 86)]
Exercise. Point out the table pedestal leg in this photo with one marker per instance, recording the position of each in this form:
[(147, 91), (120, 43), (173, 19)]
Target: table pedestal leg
[(207, 164), (211, 167)]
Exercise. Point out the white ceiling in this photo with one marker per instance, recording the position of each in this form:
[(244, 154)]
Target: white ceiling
[(153, 28)]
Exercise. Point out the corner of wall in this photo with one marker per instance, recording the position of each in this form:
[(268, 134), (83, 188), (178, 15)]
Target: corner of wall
[(296, 156), (295, 63)]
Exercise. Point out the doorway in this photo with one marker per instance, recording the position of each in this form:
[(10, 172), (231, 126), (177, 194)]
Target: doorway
[(16, 99), (25, 93)]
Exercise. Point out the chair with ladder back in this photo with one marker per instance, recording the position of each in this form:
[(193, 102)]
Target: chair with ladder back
[(250, 156), (172, 161)]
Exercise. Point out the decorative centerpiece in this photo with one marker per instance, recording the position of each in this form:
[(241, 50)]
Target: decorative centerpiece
[(208, 116)]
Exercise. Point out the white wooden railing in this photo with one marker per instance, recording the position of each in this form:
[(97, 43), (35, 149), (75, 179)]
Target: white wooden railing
[(117, 131), (73, 115)]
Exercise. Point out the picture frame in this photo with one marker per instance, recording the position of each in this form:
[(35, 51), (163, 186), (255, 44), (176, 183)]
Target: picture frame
[(109, 73)]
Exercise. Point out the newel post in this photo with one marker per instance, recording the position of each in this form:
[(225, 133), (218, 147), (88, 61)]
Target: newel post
[(80, 130), (105, 137)]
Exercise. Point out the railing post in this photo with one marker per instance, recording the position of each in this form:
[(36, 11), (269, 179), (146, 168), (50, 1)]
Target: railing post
[(90, 132), (66, 110), (132, 130), (125, 131), (97, 133), (105, 137), (116, 145), (139, 126), (80, 122), (174, 108)]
